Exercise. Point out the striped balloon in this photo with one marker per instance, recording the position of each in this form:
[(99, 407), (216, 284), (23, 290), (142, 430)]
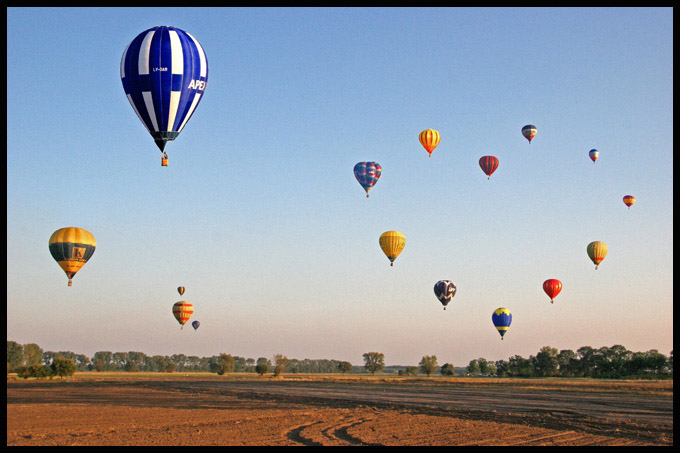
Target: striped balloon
[(629, 200), (529, 132), (429, 138), (501, 318), (182, 311), (593, 154), (392, 243), (367, 173), (180, 290), (164, 73), (489, 165), (71, 248), (597, 250), (444, 290)]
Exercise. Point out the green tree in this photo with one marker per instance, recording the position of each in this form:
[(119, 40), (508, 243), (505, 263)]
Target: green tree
[(473, 367), (261, 368), (32, 354), (63, 367), (447, 370), (428, 364), (225, 364), (483, 366), (15, 354), (546, 363), (374, 361), (345, 367), (280, 364)]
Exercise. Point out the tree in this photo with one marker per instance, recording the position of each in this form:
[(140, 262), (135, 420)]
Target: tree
[(428, 364), (447, 370), (63, 367), (15, 354), (280, 364), (261, 368), (32, 354), (546, 362), (473, 367), (102, 361), (374, 361), (408, 371), (225, 364), (345, 367), (483, 365)]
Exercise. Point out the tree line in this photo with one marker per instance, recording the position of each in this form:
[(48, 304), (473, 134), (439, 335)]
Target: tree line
[(29, 360)]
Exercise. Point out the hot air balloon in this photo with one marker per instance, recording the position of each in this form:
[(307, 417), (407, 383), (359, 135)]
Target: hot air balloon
[(552, 288), (182, 311), (392, 243), (71, 247), (529, 132), (164, 72), (501, 318), (195, 325), (180, 290), (444, 290), (489, 165), (594, 154), (367, 173), (597, 251), (629, 200), (429, 138)]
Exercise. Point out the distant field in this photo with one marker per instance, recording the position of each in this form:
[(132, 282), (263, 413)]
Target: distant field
[(335, 409)]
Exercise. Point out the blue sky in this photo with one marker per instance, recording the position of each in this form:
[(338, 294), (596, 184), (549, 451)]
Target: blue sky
[(259, 214)]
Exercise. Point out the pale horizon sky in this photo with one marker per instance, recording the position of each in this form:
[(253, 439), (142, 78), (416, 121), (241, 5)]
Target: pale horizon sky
[(260, 217)]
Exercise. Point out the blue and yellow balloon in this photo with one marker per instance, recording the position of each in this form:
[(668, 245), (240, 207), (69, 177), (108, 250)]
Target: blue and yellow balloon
[(501, 319)]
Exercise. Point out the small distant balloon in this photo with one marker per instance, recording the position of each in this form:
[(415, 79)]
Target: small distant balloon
[(594, 154), (429, 138), (552, 288), (597, 250), (180, 290), (367, 173), (529, 132), (629, 200), (489, 164), (444, 290), (501, 319), (195, 325), (392, 243)]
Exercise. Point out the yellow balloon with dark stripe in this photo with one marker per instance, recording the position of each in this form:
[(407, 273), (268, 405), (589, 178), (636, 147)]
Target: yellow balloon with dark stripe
[(597, 251), (429, 138), (392, 243), (182, 311), (71, 247)]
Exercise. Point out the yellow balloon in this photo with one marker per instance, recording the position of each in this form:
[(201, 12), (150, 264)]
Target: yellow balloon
[(71, 247), (392, 243), (429, 138), (597, 251)]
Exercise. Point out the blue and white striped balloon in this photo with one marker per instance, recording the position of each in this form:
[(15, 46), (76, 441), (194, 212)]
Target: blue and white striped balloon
[(367, 173), (164, 72)]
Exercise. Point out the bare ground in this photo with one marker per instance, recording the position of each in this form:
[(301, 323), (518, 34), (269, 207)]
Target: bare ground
[(152, 409)]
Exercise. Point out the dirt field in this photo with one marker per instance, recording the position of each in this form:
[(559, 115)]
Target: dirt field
[(205, 409)]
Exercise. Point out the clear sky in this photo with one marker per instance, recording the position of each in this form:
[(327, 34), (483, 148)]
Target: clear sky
[(260, 217)]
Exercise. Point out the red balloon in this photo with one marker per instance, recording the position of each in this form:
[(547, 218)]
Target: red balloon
[(552, 288), (489, 164)]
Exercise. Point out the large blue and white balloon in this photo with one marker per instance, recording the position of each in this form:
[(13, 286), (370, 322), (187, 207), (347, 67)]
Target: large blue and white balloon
[(164, 72)]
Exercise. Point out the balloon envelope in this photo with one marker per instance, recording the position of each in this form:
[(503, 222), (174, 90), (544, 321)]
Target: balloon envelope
[(71, 248), (529, 132), (629, 200), (164, 72), (429, 138), (444, 290), (195, 325), (367, 173), (489, 164), (597, 250), (182, 311), (392, 243), (501, 318), (552, 288), (594, 154), (180, 290)]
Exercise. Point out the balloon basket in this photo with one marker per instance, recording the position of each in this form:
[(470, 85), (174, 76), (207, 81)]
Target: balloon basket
[(164, 162)]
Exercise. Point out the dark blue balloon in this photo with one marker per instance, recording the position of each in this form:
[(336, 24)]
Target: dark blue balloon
[(195, 324), (444, 290)]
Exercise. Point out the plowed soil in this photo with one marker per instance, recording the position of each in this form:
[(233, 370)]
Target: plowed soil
[(204, 409)]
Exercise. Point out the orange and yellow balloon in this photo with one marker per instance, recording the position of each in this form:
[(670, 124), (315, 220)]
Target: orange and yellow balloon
[(71, 247), (392, 243), (597, 250), (429, 138), (182, 311), (629, 200)]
